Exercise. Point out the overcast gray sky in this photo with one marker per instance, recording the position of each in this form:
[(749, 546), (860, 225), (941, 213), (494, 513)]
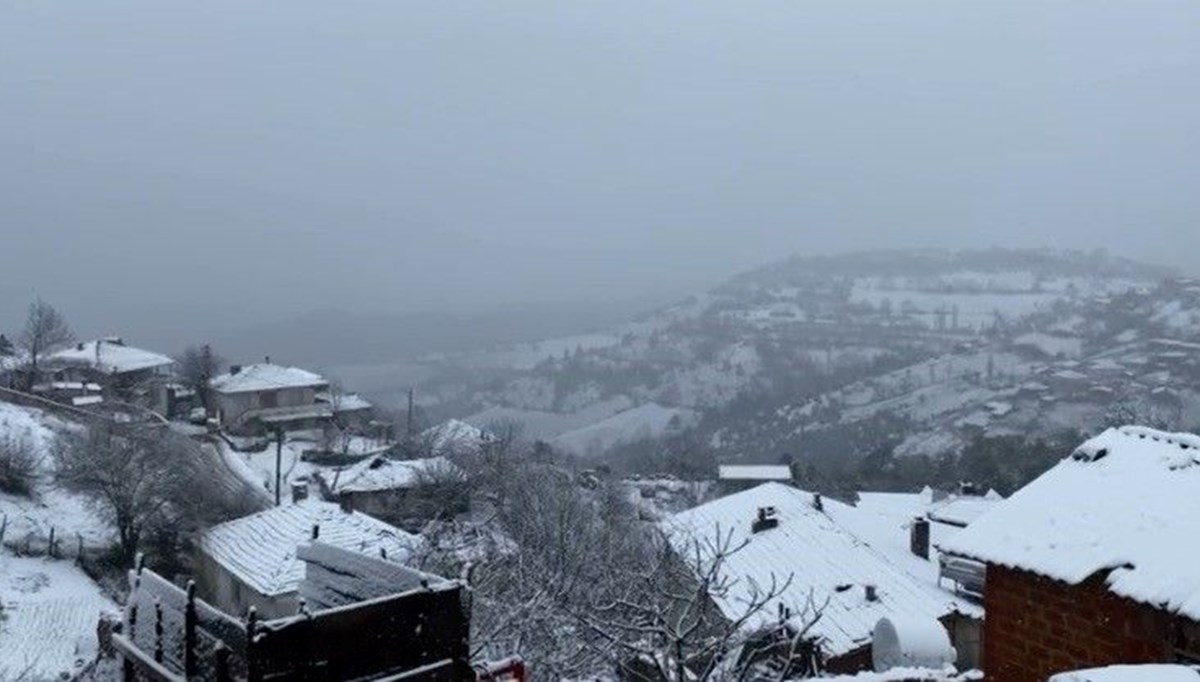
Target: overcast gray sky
[(276, 156)]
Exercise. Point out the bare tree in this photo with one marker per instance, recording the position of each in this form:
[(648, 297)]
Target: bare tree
[(567, 575), (197, 367), (144, 480), (662, 621), (20, 463), (45, 329)]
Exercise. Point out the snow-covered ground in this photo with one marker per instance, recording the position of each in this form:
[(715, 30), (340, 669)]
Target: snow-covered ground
[(646, 421), (31, 518), (48, 615)]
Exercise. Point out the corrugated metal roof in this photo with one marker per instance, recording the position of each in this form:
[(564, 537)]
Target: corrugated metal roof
[(819, 556), (260, 549)]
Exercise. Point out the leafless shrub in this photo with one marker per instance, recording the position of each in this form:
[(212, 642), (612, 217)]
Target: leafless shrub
[(20, 464)]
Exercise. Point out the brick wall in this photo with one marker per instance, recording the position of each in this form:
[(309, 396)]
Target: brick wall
[(1036, 626)]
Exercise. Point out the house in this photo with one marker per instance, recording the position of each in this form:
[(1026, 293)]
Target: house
[(454, 437), (908, 529), (1094, 562), (799, 540), (253, 561), (121, 371), (399, 491), (247, 397), (732, 478)]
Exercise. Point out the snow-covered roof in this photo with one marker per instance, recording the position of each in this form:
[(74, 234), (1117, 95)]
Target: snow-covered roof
[(108, 357), (452, 435), (963, 510), (383, 473), (266, 377), (344, 402), (1127, 501), (260, 549), (884, 521), (812, 549), (754, 472), (1132, 673)]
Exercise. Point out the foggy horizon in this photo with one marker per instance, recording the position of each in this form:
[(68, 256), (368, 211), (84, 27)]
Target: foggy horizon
[(219, 166)]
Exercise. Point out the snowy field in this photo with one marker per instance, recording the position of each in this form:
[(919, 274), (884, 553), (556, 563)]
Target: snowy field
[(31, 518), (48, 615)]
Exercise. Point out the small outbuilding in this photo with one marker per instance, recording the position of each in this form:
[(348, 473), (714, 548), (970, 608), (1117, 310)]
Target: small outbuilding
[(255, 560)]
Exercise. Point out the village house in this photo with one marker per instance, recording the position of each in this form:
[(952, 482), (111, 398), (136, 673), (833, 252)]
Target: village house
[(253, 561), (732, 478), (804, 541), (1092, 564), (404, 492), (108, 367), (249, 398)]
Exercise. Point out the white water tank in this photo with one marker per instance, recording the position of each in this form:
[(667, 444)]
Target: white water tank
[(911, 643)]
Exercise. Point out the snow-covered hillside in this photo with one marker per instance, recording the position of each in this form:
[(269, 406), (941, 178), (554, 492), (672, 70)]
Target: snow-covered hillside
[(645, 421), (891, 331)]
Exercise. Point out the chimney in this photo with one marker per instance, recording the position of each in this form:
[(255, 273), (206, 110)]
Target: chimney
[(872, 595), (316, 531), (918, 539), (967, 488), (346, 502), (234, 369), (765, 520), (817, 503), (79, 346), (299, 492), (267, 359)]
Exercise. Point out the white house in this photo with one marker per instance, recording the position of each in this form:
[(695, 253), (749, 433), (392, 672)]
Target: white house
[(253, 561)]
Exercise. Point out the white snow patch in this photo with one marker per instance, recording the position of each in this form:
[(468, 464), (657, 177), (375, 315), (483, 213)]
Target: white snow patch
[(48, 616)]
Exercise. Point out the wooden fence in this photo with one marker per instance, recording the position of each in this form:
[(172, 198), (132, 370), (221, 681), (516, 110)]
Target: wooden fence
[(169, 635)]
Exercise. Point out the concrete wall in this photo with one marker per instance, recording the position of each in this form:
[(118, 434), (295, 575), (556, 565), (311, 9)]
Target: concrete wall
[(1036, 627), (233, 405)]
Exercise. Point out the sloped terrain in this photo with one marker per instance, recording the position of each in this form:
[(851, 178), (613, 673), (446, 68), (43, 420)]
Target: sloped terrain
[(936, 341)]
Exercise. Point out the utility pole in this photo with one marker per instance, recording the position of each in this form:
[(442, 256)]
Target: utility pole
[(278, 461)]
